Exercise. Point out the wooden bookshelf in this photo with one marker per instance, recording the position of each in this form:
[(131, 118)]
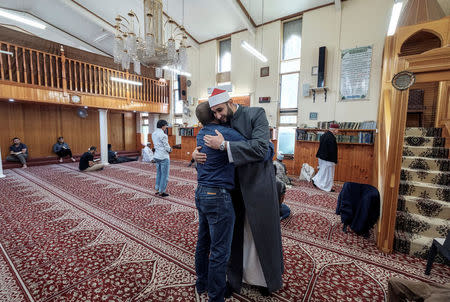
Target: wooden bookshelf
[(188, 131), (345, 136), (341, 130)]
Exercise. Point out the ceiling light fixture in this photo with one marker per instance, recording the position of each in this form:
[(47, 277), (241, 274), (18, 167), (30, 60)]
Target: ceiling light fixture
[(20, 19), (253, 51), (250, 48), (396, 10), (11, 100), (151, 47), (126, 81), (7, 52)]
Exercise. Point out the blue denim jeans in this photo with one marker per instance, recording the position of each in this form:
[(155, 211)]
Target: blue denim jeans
[(215, 232), (162, 174)]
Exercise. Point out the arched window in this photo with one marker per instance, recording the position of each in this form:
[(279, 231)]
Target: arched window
[(420, 42)]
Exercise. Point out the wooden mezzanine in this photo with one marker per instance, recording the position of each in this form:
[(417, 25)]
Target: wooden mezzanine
[(28, 74)]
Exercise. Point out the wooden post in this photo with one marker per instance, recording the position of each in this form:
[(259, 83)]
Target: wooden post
[(1, 166), (127, 75), (63, 71)]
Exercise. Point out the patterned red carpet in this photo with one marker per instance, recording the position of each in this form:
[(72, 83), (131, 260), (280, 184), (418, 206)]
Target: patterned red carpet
[(104, 236)]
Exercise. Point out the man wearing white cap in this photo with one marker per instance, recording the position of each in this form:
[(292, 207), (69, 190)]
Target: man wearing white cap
[(256, 252), (281, 169)]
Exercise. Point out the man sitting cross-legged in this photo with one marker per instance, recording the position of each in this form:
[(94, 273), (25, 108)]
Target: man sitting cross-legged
[(18, 152), (87, 163)]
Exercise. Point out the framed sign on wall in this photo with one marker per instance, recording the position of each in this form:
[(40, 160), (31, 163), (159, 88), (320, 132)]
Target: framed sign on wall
[(355, 73)]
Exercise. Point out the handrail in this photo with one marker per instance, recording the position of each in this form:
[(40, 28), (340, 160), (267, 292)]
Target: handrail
[(31, 67)]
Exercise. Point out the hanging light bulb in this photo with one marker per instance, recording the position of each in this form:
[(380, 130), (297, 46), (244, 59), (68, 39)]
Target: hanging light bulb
[(150, 45), (131, 44), (137, 66), (125, 60), (118, 49), (182, 57), (171, 51)]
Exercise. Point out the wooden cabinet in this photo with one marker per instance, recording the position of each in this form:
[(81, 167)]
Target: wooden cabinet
[(355, 160)]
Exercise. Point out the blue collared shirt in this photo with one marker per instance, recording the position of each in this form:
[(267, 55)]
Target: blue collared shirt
[(216, 171)]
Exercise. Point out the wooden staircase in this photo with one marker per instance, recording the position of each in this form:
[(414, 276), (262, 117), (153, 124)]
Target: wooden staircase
[(423, 209)]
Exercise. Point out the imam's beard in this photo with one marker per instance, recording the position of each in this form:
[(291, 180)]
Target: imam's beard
[(229, 115)]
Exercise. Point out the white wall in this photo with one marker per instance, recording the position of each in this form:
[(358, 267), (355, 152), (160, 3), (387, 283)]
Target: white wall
[(359, 23)]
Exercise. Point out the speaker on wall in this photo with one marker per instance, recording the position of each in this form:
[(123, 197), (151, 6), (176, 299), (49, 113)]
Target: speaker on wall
[(321, 67), (182, 88)]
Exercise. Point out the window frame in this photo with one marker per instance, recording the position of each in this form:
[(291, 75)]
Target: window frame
[(175, 91), (219, 55), (288, 111)]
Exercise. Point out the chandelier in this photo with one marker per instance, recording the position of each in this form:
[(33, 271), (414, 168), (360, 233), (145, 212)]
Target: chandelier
[(149, 49)]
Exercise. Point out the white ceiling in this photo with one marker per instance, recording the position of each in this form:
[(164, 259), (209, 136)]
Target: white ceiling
[(68, 23), (274, 9)]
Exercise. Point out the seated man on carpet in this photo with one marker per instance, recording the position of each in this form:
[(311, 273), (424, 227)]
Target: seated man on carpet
[(62, 149), (18, 152), (281, 171), (327, 155), (285, 211), (402, 290), (147, 154), (113, 158), (87, 162)]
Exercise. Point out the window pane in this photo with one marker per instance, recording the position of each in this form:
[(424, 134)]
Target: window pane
[(290, 66), (292, 40), (145, 133), (225, 55), (286, 140), (288, 119), (178, 103), (289, 90), (179, 121)]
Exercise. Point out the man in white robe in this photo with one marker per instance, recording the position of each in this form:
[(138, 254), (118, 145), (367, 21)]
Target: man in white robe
[(147, 153), (327, 155)]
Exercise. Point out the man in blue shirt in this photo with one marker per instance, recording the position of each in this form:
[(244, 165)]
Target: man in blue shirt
[(216, 213), (18, 152)]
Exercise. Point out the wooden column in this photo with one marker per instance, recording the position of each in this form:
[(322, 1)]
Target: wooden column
[(103, 122), (1, 165), (63, 71)]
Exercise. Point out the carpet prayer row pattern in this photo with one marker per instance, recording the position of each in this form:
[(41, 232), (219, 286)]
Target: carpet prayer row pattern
[(105, 236)]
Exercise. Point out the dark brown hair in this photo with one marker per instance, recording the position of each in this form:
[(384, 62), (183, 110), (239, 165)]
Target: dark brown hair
[(204, 113)]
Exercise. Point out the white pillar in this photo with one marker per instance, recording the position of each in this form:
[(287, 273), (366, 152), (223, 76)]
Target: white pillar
[(1, 166), (103, 121)]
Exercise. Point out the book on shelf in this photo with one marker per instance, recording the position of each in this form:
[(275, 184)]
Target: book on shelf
[(354, 137), (366, 125), (186, 131)]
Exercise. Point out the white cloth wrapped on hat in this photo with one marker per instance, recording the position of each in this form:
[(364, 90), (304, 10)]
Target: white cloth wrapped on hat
[(218, 96)]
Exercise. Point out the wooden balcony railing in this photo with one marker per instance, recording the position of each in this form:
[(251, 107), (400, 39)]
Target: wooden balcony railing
[(32, 67)]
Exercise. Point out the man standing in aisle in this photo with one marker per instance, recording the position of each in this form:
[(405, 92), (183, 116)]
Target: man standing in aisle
[(327, 155), (256, 252), (161, 157)]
